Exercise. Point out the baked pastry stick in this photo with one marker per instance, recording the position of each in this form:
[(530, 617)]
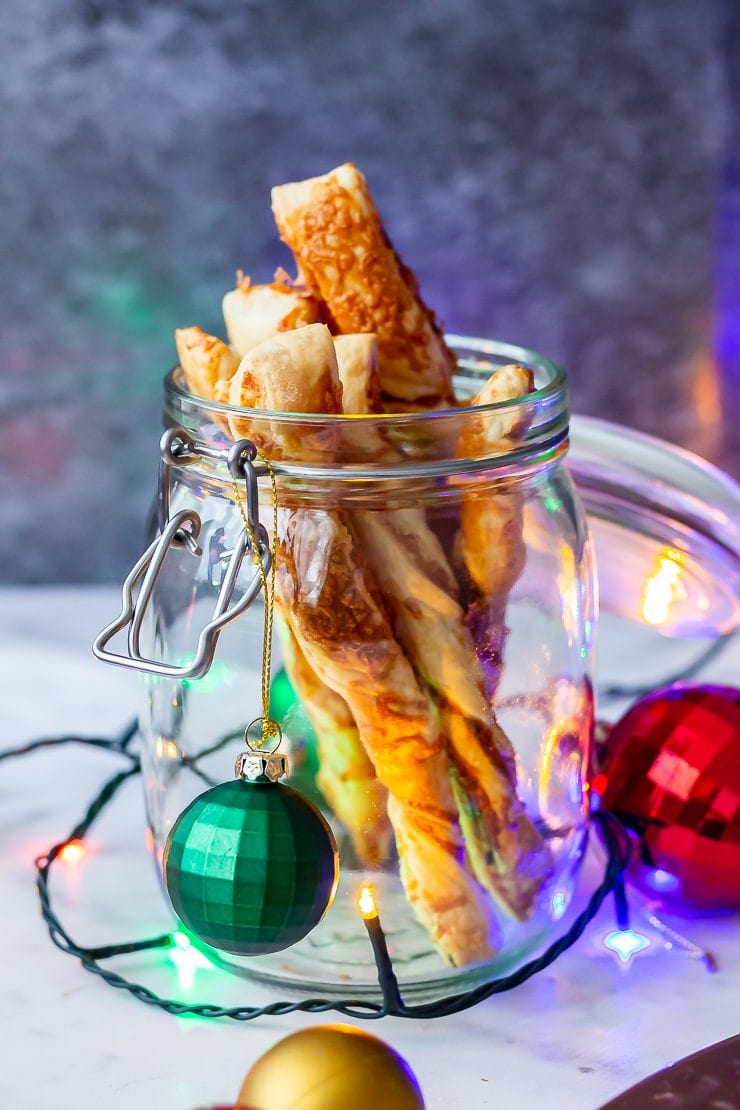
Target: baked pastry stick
[(492, 546), (332, 605), (490, 543), (346, 777), (338, 620), (361, 441), (253, 313), (205, 360), (346, 259), (506, 852), (357, 363), (293, 372)]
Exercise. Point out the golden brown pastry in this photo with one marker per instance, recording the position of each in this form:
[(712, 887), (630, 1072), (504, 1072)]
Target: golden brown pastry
[(491, 541), (331, 603), (293, 372), (506, 852), (357, 361), (346, 259), (253, 313), (489, 548), (205, 360), (346, 777), (335, 613)]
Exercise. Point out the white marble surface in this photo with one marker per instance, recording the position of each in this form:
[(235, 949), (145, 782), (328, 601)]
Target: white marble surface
[(573, 1037)]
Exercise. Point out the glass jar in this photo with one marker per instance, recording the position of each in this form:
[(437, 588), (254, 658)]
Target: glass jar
[(665, 528), (436, 617)]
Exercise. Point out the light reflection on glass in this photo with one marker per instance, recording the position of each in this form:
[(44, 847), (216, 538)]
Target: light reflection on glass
[(663, 588), (559, 903), (705, 388)]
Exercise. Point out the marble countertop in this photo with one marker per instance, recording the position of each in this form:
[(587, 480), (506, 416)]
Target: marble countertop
[(574, 1036)]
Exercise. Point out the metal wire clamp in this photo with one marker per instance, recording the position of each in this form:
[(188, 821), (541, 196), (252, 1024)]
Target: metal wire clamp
[(178, 448)]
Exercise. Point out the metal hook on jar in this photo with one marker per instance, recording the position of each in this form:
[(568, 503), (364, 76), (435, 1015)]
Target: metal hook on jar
[(240, 461), (134, 609), (178, 448)]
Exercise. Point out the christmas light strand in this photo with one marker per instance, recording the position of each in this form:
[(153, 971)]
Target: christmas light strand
[(618, 852)]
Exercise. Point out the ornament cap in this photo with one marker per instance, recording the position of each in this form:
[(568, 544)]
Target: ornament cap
[(252, 766)]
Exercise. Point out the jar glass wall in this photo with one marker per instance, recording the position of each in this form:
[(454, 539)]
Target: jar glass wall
[(436, 618)]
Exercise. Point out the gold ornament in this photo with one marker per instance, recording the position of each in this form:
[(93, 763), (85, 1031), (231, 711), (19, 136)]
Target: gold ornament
[(331, 1067)]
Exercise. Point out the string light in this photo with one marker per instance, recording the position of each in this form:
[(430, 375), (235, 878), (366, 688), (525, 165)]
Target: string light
[(384, 966), (366, 903), (73, 851), (625, 943), (166, 749), (187, 958)]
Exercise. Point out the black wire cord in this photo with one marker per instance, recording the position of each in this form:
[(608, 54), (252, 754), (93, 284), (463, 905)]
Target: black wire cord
[(120, 745), (616, 842), (684, 675)]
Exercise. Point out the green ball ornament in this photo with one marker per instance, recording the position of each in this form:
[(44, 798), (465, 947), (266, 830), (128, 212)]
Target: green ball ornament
[(251, 866)]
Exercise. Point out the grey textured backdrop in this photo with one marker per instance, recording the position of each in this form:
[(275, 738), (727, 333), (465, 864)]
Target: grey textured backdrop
[(555, 171)]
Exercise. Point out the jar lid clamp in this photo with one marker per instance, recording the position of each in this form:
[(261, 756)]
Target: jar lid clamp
[(179, 449)]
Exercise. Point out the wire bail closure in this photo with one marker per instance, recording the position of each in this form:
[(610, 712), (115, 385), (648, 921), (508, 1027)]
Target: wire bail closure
[(179, 449)]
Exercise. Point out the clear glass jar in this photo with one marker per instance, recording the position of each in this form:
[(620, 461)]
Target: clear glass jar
[(665, 527), (439, 588)]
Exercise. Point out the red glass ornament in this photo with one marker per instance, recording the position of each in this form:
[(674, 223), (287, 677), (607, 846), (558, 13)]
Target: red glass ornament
[(672, 771)]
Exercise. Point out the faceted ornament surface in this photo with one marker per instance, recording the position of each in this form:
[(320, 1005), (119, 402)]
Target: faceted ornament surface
[(251, 867), (672, 768)]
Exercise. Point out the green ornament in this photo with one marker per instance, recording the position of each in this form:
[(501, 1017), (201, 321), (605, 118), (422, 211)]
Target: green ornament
[(251, 866)]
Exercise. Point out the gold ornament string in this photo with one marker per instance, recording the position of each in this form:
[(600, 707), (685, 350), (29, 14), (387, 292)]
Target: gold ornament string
[(270, 728)]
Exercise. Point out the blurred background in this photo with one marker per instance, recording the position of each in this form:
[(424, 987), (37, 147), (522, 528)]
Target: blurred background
[(559, 173)]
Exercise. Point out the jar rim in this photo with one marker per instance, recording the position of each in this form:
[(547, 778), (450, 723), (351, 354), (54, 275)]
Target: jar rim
[(554, 388), (420, 444)]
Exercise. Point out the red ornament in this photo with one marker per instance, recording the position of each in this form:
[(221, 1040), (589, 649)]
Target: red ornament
[(672, 771)]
